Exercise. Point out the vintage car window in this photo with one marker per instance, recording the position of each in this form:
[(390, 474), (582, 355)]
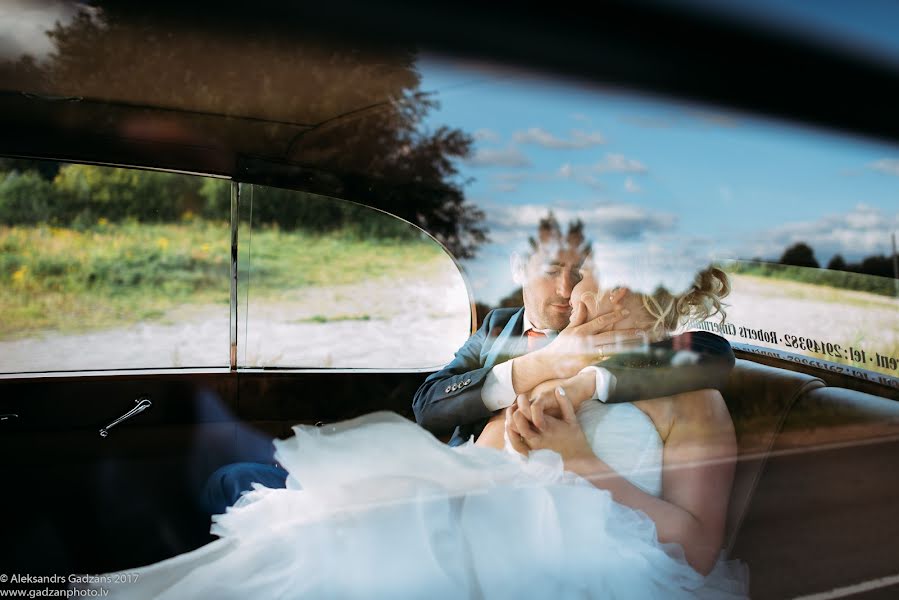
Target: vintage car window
[(110, 268), (325, 283), (836, 319), (802, 220)]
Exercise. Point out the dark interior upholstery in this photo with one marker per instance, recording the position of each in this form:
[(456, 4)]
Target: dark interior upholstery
[(815, 489), (759, 398)]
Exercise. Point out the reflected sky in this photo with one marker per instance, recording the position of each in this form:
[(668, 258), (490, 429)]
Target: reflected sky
[(663, 187)]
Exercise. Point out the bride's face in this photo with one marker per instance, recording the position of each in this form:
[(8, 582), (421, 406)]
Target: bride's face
[(598, 302)]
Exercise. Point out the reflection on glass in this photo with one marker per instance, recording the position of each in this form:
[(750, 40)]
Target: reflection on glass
[(667, 188), (836, 316), (329, 283), (107, 268)]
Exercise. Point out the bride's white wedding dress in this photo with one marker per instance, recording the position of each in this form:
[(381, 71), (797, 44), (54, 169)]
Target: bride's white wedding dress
[(388, 511)]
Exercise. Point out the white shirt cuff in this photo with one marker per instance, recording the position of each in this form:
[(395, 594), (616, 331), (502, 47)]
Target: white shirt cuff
[(605, 383), (497, 392)]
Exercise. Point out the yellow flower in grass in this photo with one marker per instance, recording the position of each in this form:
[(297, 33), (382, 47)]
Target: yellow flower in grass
[(102, 221), (163, 243), (19, 275)]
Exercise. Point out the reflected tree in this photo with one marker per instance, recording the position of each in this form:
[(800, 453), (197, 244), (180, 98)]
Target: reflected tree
[(355, 113), (799, 255), (837, 263)]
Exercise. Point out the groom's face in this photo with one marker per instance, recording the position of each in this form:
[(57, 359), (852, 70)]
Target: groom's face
[(549, 277)]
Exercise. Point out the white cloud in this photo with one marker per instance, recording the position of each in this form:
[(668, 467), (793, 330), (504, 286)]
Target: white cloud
[(581, 117), (579, 139), (890, 166), (612, 163), (618, 163), (616, 221), (579, 174), (509, 182), (643, 265), (486, 135), (499, 157), (861, 232)]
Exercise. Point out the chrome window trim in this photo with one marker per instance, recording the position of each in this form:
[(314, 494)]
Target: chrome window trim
[(25, 375), (22, 376), (235, 203)]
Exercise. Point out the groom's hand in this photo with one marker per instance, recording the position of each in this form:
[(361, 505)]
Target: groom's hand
[(584, 343)]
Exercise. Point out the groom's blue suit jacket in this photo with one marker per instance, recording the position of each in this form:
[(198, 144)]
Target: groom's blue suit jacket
[(450, 399)]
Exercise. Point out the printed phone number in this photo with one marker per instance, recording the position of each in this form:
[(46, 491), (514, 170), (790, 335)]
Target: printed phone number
[(798, 342)]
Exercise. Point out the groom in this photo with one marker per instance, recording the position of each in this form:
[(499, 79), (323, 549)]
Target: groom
[(517, 349)]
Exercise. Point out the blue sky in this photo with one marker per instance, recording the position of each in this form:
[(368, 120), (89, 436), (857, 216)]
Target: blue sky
[(690, 183)]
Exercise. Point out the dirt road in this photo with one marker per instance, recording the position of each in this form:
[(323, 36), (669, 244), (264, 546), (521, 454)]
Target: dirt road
[(408, 322)]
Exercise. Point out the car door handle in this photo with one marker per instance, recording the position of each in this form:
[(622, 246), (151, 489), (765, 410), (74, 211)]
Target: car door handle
[(142, 405)]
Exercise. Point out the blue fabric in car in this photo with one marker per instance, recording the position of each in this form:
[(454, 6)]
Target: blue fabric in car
[(227, 483)]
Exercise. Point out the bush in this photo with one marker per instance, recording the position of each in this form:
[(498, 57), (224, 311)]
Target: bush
[(25, 198), (86, 193), (81, 196), (800, 255)]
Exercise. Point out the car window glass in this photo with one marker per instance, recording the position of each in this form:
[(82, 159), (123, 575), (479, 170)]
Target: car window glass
[(326, 283), (110, 268), (658, 190)]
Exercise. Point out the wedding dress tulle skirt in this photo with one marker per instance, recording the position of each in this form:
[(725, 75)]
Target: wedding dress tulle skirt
[(388, 511)]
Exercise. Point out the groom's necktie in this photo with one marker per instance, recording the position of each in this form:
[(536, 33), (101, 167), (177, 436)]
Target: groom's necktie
[(536, 340)]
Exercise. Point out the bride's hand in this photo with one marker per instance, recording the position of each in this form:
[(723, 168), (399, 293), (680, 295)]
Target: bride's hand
[(563, 435), (542, 399), (512, 434)]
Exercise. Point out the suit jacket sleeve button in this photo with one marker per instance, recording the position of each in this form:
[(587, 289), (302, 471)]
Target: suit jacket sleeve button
[(466, 382), (447, 390)]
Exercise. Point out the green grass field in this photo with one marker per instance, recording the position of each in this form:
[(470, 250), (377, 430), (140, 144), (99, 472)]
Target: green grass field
[(884, 286), (112, 275)]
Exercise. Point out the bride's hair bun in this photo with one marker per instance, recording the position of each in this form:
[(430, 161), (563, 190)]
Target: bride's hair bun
[(700, 302)]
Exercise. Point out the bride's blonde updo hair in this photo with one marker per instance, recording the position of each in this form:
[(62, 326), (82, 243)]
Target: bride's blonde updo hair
[(701, 301)]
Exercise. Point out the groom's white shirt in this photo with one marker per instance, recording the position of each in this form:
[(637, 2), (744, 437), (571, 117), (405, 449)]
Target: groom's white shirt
[(498, 391)]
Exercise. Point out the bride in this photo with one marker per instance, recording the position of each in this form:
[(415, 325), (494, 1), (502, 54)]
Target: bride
[(671, 458), (558, 497)]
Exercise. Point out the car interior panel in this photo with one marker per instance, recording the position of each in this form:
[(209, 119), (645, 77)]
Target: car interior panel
[(813, 505)]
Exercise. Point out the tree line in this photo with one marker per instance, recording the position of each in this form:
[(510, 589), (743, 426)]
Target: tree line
[(802, 255), (81, 196)]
